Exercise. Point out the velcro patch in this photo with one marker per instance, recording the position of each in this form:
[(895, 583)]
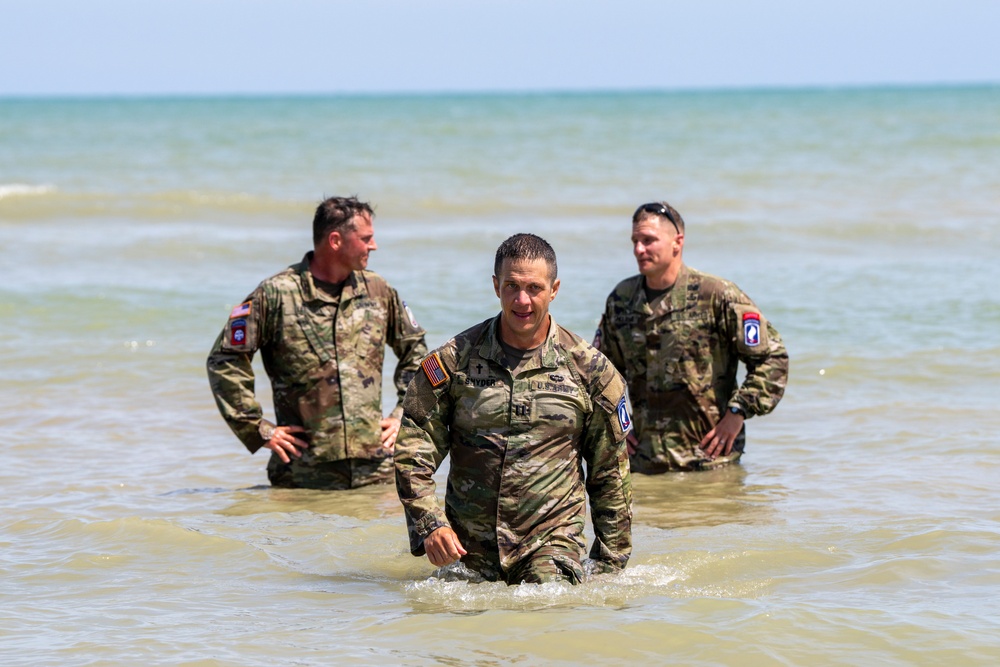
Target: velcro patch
[(238, 332), (242, 310), (434, 371), (409, 316), (751, 329), (624, 420)]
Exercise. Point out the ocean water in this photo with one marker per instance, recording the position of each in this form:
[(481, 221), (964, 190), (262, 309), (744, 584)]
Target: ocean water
[(863, 527)]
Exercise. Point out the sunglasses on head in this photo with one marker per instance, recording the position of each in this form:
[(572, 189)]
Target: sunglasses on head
[(657, 209)]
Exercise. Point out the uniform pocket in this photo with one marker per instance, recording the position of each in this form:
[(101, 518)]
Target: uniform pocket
[(370, 342), (683, 351)]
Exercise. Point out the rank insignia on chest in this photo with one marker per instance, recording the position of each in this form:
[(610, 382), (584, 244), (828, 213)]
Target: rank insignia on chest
[(241, 310), (751, 329), (238, 332), (434, 371), (624, 420), (478, 369)]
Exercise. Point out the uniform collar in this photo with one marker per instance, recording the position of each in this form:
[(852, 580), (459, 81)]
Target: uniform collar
[(490, 347), (354, 286), (675, 299)]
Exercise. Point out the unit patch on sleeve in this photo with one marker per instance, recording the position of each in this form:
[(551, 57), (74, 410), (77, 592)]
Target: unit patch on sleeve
[(238, 332), (623, 417), (409, 315), (751, 329), (434, 371)]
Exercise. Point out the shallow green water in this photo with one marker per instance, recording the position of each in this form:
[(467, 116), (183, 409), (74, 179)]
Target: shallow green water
[(862, 528)]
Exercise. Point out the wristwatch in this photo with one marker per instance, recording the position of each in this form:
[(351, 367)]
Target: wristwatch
[(737, 410), (266, 430)]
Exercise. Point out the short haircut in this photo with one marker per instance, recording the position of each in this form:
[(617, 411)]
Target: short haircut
[(526, 246), (336, 214), (659, 209)]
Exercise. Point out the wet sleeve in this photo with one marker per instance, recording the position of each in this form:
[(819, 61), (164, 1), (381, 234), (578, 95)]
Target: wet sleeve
[(421, 446), (230, 369), (767, 367), (406, 338), (609, 482)]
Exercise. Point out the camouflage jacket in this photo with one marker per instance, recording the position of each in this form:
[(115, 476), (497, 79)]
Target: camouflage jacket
[(324, 360), (518, 445), (679, 356)]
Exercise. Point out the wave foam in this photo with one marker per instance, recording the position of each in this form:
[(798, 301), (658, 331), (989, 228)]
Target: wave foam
[(23, 190), (456, 588)]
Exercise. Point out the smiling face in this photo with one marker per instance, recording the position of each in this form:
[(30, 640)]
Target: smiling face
[(657, 246), (525, 288)]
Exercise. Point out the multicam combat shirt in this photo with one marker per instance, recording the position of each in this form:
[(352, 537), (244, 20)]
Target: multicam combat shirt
[(518, 445), (679, 355), (324, 357)]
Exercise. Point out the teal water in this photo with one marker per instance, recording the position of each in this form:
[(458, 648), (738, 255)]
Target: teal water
[(862, 528)]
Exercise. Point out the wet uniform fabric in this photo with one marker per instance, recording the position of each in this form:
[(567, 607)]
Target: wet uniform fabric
[(323, 352), (680, 355), (518, 442)]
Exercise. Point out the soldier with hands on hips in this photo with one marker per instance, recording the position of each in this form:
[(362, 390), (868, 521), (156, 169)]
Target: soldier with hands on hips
[(321, 327), (678, 336)]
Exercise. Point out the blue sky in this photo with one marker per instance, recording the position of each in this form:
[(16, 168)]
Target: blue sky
[(74, 47)]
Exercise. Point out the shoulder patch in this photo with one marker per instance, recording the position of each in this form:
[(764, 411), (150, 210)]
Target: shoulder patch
[(750, 335), (238, 332), (409, 316), (624, 420), (242, 310), (751, 329), (435, 372)]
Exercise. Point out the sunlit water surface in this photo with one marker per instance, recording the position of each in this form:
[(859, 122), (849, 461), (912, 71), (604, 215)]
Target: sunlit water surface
[(862, 528)]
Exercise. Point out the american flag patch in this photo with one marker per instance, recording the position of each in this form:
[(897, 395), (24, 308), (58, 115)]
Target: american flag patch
[(241, 310), (435, 373)]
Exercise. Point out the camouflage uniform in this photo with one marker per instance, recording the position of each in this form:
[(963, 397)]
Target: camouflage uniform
[(518, 443), (680, 356), (324, 360)]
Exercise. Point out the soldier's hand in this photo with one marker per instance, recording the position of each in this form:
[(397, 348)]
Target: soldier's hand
[(284, 443), (442, 546), (719, 441), (390, 429), (631, 443)]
